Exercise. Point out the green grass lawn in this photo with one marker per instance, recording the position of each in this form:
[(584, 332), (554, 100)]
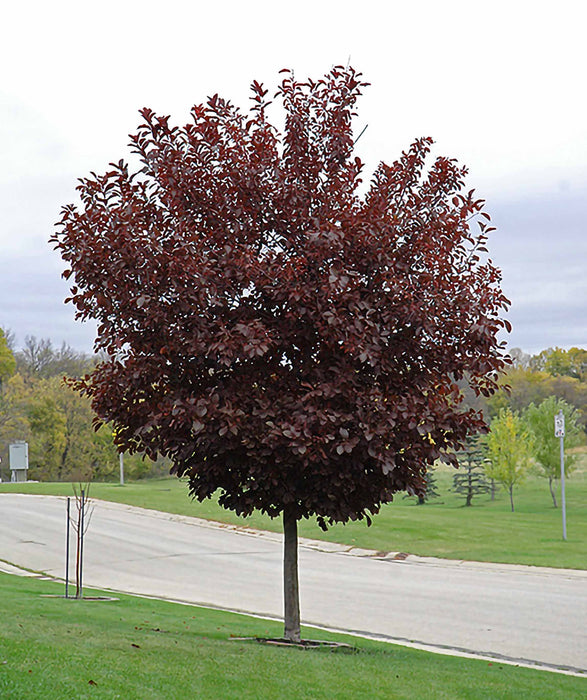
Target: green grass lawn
[(140, 649), (487, 531)]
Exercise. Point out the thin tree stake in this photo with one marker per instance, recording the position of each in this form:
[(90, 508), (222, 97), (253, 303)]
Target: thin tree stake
[(81, 552), (67, 549)]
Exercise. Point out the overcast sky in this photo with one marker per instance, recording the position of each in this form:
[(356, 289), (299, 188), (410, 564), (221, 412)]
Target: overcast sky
[(500, 86)]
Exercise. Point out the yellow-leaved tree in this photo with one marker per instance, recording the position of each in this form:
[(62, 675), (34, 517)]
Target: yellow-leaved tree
[(510, 447)]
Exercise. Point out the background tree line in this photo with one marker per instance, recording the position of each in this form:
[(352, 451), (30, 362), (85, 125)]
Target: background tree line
[(533, 378), (521, 417), (37, 406), (521, 414), (519, 444)]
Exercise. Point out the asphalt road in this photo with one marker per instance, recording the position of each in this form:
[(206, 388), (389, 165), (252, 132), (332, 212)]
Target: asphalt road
[(521, 613)]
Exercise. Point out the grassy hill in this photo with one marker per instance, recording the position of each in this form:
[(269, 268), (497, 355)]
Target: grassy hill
[(141, 649)]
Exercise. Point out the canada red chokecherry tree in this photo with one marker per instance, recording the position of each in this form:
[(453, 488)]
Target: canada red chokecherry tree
[(288, 342)]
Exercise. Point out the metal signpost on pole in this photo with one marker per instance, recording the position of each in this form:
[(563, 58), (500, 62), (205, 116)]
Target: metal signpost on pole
[(121, 469), (559, 432)]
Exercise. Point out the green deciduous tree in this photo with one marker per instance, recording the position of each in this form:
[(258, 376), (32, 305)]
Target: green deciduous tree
[(574, 392), (509, 445), (7, 360), (540, 418), (38, 407), (64, 444), (559, 362), (14, 424), (48, 441)]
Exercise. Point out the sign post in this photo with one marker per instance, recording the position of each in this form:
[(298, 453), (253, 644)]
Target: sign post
[(559, 432)]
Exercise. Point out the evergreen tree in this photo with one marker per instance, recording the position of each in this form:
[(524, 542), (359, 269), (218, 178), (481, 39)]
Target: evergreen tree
[(471, 481), (430, 490)]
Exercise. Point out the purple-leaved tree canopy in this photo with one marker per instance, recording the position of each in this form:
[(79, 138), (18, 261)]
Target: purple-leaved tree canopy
[(288, 342)]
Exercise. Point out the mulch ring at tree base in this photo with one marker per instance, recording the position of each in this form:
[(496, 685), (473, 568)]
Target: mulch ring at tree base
[(302, 644)]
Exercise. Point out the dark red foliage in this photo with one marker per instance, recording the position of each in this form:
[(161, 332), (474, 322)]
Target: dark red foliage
[(279, 336)]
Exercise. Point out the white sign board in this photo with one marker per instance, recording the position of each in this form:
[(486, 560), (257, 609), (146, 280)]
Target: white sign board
[(559, 425), (19, 455)]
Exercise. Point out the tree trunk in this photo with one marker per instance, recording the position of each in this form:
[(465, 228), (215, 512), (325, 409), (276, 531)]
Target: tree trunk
[(552, 493), (291, 593), (512, 497)]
